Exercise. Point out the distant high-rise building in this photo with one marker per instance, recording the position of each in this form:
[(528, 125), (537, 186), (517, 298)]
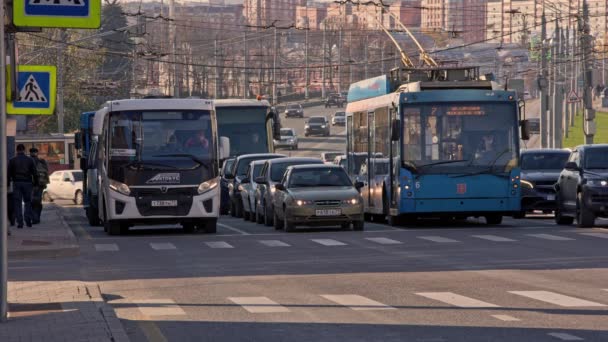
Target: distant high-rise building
[(266, 12)]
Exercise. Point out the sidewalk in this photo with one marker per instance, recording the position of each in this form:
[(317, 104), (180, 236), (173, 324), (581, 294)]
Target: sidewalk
[(52, 238), (59, 311)]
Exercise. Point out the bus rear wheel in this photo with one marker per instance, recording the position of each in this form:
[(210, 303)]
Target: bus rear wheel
[(209, 226), (493, 219)]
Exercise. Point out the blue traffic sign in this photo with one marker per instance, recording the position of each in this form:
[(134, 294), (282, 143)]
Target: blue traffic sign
[(37, 89), (57, 13)]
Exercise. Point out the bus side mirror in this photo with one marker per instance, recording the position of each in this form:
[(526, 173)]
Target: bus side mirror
[(224, 148), (525, 129), (78, 140), (395, 130), (276, 126)]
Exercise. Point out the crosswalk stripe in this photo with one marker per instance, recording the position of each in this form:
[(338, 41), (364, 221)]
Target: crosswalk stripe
[(274, 243), (158, 307), (550, 237), (506, 318), (437, 239), (565, 337), (357, 303), (258, 304), (218, 244), (457, 300), (162, 246), (556, 298), (384, 241), (106, 247), (494, 238), (329, 242), (600, 235)]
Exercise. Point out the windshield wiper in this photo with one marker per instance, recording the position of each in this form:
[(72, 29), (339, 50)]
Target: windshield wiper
[(489, 169), (141, 163), (184, 155), (442, 162)]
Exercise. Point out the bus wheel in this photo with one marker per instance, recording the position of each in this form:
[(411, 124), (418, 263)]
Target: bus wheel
[(394, 221), (493, 219), (92, 216), (113, 228), (210, 226), (189, 227)]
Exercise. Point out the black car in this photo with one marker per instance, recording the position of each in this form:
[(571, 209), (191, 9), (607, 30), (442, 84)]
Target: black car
[(334, 99), (317, 125), (224, 187), (539, 172), (294, 110), (582, 188)]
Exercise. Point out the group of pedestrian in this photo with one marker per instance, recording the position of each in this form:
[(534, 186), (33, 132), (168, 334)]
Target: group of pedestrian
[(28, 176)]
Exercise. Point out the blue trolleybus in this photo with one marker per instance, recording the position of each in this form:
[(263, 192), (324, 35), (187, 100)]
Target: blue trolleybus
[(446, 141)]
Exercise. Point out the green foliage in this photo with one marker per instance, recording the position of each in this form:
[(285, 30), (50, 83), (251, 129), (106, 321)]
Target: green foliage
[(577, 137)]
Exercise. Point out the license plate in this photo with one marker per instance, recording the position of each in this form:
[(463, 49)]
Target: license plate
[(550, 197), (172, 203), (328, 212)]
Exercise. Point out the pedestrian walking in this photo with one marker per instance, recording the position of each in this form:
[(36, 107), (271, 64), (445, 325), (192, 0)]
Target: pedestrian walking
[(42, 170), (22, 173)]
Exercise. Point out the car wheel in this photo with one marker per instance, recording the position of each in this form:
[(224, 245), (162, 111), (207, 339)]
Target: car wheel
[(113, 228), (584, 217), (78, 199), (493, 219), (239, 209), (559, 217), (232, 209), (394, 221), (276, 222), (288, 226), (519, 215), (92, 216), (268, 216), (258, 215), (358, 225), (245, 215), (345, 225)]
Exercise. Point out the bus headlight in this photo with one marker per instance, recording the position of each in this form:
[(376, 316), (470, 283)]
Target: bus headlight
[(206, 186), (120, 187), (526, 184)]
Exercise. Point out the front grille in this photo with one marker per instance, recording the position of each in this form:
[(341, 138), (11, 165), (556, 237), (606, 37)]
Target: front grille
[(327, 202), (145, 196), (192, 191)]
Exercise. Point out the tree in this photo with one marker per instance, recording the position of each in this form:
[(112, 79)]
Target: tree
[(118, 48)]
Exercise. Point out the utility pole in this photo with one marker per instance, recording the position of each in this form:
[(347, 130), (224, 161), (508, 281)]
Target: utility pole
[(3, 177), (542, 82), (553, 93), (340, 61), (245, 64), (568, 106), (559, 92), (63, 36), (217, 90), (173, 37), (323, 67), (589, 126), (274, 70), (306, 72)]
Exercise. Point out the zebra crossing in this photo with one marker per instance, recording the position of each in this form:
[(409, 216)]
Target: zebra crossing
[(358, 241)]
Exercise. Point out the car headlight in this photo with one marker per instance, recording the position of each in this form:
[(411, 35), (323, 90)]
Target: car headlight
[(306, 126), (526, 184), (208, 185), (352, 201), (120, 187), (322, 126), (301, 203), (597, 182), (272, 189)]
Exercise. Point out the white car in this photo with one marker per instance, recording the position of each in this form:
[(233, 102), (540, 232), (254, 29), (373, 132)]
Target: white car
[(248, 187), (288, 139), (328, 157), (339, 119), (65, 185)]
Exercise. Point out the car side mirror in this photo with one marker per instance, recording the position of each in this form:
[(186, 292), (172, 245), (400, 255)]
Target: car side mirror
[(525, 129), (395, 130), (571, 166), (224, 148), (359, 185), (245, 180), (260, 180), (279, 187), (276, 125)]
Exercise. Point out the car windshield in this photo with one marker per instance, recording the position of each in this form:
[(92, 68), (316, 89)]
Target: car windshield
[(277, 170), (330, 156), (246, 127), (319, 177), (340, 114), (78, 177), (543, 161), (596, 158), (243, 164), (257, 170), (286, 132), (317, 120)]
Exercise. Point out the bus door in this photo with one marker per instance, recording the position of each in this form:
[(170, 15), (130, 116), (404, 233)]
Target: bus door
[(371, 151)]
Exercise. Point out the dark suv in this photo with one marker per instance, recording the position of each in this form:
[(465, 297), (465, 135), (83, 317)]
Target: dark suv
[(539, 172), (582, 188), (317, 125), (295, 110), (334, 99)]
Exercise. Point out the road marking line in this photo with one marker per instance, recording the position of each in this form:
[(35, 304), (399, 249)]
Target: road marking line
[(329, 242), (274, 243), (600, 235), (437, 239), (384, 241), (457, 300), (357, 303), (506, 318), (556, 298), (160, 246), (550, 237), (158, 307), (565, 337), (219, 244), (242, 232), (494, 238), (258, 304), (106, 247)]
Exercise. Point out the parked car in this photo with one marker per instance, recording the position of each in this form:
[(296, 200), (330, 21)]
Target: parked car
[(341, 161), (317, 125), (289, 139), (328, 157), (294, 110), (582, 188), (64, 185), (540, 171), (317, 195), (272, 173), (339, 119), (224, 187), (248, 187), (334, 99), (236, 175)]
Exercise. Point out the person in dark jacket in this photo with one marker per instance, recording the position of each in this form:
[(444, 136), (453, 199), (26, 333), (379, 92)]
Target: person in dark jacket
[(42, 170), (22, 173)]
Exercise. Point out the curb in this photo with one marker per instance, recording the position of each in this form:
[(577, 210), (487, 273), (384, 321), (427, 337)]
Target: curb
[(113, 325)]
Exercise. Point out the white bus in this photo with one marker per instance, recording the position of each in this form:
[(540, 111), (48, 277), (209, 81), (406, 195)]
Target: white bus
[(158, 162)]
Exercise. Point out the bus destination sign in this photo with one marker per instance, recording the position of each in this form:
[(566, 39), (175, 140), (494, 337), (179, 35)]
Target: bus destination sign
[(465, 111)]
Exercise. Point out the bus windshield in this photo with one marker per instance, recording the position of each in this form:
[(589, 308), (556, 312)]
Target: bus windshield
[(460, 137), (246, 127)]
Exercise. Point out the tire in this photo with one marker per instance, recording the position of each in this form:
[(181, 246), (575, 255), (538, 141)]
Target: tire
[(259, 219), (584, 217), (559, 217), (232, 209), (394, 221), (210, 226), (78, 199), (519, 215), (238, 212), (93, 216), (288, 226), (358, 226), (367, 217), (112, 228), (345, 225), (276, 222), (268, 219), (46, 197), (246, 215), (189, 227), (493, 219)]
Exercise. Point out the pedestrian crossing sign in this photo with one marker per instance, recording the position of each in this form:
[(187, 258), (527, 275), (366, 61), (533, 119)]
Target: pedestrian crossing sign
[(84, 14), (37, 89)]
